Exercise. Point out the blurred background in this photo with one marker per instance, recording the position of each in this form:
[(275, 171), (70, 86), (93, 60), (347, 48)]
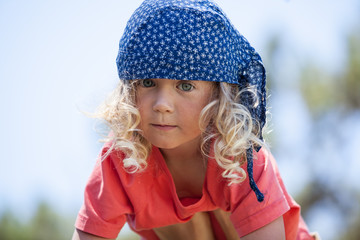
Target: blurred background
[(57, 59)]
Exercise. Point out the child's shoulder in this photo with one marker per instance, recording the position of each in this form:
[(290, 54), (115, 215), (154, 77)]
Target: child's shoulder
[(264, 156), (110, 150), (265, 166)]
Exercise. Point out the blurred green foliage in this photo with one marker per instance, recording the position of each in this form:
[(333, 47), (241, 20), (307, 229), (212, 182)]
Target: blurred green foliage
[(350, 81), (46, 224), (324, 91)]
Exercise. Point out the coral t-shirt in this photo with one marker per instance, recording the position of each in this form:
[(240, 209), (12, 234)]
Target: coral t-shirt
[(148, 199)]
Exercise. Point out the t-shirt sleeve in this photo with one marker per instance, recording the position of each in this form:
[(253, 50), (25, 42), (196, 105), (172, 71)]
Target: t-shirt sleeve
[(106, 204), (247, 214)]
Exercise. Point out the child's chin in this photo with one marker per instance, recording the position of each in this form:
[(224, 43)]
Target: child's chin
[(166, 146)]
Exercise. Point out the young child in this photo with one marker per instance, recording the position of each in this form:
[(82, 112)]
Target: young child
[(185, 158)]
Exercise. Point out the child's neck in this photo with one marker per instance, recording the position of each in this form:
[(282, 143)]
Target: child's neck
[(187, 167), (186, 153)]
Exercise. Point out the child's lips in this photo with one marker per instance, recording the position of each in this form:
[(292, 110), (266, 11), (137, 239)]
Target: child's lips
[(164, 127)]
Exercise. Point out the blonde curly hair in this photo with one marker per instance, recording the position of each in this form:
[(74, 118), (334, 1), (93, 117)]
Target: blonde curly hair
[(224, 122)]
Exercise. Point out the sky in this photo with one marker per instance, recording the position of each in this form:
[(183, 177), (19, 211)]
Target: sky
[(58, 61)]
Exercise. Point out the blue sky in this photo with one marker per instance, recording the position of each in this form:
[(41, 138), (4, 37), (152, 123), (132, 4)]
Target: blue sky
[(58, 57)]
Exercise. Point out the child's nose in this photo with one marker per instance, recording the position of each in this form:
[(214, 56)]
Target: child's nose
[(163, 102)]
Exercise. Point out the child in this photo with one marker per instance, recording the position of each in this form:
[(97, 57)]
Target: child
[(185, 158)]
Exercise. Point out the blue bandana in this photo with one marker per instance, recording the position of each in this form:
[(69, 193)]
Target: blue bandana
[(192, 40)]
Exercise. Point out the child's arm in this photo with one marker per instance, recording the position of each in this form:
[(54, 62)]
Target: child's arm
[(80, 235), (274, 229)]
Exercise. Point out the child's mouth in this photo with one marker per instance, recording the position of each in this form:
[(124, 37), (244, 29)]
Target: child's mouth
[(164, 127)]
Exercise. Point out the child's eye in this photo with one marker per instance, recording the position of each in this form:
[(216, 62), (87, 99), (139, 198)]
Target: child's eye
[(186, 87), (147, 83)]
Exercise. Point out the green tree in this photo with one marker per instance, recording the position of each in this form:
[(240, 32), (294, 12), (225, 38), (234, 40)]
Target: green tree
[(11, 228), (324, 93), (44, 225)]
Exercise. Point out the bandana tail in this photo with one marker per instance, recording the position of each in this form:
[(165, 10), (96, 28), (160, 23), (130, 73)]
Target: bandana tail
[(249, 155)]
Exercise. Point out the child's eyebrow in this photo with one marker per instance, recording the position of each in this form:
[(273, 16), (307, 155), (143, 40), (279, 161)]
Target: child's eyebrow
[(187, 81)]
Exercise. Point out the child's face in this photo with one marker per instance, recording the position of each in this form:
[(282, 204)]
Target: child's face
[(170, 110)]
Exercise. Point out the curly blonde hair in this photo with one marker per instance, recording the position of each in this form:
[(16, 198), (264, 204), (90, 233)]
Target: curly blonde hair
[(225, 122)]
